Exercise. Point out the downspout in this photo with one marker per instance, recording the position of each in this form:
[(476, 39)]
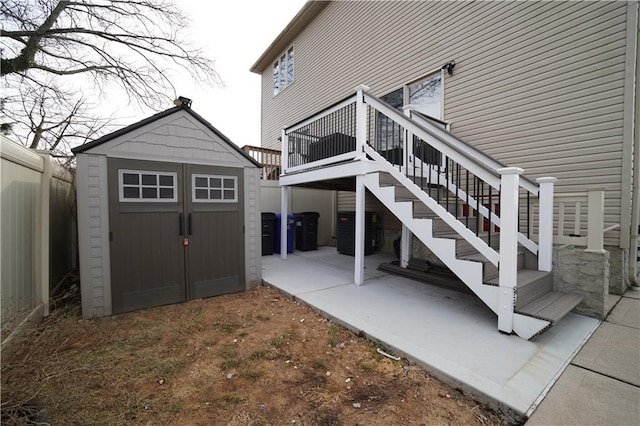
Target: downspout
[(635, 183)]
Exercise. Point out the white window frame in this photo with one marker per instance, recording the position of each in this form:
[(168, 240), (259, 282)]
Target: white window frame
[(280, 70), (140, 186), (427, 76), (209, 188)]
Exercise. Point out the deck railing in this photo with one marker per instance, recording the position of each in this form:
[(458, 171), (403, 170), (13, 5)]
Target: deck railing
[(420, 152), (428, 154), (269, 158), (579, 219)]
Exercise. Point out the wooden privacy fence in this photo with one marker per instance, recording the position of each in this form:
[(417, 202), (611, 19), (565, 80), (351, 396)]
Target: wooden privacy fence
[(37, 233)]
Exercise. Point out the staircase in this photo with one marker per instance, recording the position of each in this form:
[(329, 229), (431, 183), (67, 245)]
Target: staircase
[(537, 305), (433, 182)]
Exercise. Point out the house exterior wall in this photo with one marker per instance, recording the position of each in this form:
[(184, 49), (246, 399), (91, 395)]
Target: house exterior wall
[(303, 200), (538, 85)]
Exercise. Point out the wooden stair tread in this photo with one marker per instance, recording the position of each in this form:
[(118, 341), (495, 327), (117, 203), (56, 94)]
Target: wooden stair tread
[(525, 276), (551, 307)]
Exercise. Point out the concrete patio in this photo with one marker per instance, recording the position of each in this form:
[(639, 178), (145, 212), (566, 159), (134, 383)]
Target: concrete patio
[(454, 336)]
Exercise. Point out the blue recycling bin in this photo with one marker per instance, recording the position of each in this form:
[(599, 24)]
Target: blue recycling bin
[(290, 229)]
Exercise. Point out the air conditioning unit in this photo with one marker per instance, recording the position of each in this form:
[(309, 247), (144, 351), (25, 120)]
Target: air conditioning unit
[(346, 232)]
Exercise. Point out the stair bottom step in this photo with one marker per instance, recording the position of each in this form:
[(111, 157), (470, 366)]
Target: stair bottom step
[(551, 307), (439, 279)]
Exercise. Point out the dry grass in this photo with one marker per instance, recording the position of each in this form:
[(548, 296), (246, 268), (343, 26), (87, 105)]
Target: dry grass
[(245, 359)]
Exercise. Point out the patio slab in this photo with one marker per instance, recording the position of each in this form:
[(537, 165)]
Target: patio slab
[(626, 312), (453, 335), (623, 362), (633, 292), (610, 402)]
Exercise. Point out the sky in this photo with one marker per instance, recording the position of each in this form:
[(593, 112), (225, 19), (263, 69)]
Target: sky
[(234, 34)]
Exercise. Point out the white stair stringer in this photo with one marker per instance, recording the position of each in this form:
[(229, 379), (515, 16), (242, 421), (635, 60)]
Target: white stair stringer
[(469, 272), (457, 226)]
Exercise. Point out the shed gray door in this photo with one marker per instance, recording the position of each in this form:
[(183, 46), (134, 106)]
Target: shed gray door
[(214, 206), (168, 245)]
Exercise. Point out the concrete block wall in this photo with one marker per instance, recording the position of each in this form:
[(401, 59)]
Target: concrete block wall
[(587, 273)]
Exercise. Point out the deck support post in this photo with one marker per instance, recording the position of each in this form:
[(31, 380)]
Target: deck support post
[(284, 196), (360, 218), (405, 246), (284, 207), (545, 225), (508, 263), (595, 221)]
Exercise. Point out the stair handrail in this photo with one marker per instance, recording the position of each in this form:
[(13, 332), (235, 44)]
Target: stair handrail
[(450, 145), (464, 148)]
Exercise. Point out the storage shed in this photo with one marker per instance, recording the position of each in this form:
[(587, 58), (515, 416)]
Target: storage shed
[(168, 211)]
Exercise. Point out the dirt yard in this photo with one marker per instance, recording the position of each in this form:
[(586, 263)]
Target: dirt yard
[(257, 358)]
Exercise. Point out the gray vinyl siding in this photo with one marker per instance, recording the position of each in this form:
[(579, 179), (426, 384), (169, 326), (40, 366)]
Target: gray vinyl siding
[(538, 85)]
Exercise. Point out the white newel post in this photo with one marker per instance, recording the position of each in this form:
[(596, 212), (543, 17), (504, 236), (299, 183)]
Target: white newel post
[(284, 206), (595, 220), (361, 121), (545, 223), (508, 263), (408, 138), (360, 218)]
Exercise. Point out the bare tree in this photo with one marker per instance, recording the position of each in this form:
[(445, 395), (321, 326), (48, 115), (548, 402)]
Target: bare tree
[(52, 119), (52, 51)]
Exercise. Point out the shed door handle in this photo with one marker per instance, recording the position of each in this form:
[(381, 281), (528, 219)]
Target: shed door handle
[(190, 223), (181, 224)]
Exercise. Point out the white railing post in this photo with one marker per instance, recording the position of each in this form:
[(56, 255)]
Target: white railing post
[(360, 218), (361, 121), (545, 223), (508, 264), (408, 140), (284, 212), (595, 219), (284, 153)]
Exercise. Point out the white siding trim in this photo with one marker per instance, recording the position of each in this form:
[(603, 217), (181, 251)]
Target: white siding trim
[(84, 238), (252, 226), (627, 133), (93, 235), (104, 236)]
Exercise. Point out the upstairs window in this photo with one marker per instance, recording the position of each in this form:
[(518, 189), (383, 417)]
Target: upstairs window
[(283, 71)]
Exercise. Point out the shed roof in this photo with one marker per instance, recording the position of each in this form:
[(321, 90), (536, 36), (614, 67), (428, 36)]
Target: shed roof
[(309, 11), (97, 142)]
